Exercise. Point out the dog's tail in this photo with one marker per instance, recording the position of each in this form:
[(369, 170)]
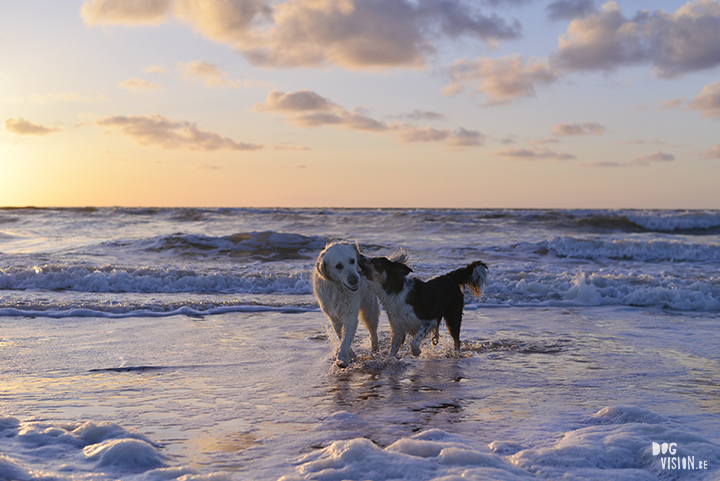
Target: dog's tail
[(473, 276)]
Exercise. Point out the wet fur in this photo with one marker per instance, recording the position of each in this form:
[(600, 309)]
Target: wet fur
[(344, 294), (416, 307)]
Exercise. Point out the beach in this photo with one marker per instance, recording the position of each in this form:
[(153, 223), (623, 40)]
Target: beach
[(210, 360), (533, 394)]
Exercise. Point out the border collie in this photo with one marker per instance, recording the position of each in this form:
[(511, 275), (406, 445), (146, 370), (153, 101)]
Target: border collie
[(416, 307), (344, 294)]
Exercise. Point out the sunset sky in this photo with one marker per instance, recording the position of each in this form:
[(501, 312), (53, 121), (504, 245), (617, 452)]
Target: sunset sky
[(360, 103)]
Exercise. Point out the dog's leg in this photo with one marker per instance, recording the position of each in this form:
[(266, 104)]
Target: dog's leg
[(370, 315), (420, 336), (348, 333), (398, 337), (436, 335), (337, 326), (453, 321)]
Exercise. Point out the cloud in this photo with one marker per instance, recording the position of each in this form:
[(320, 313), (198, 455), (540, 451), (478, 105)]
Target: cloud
[(305, 108), (551, 140), (500, 80), (156, 69), (671, 104), (209, 73), (640, 161), (569, 9), (606, 164), (291, 146), (159, 131), (675, 44), (712, 153), (125, 12), (408, 134), (367, 34), (311, 33), (139, 85), (708, 101), (641, 142), (302, 100), (308, 109), (533, 154), (421, 115), (657, 156), (588, 128), (341, 118), (21, 126)]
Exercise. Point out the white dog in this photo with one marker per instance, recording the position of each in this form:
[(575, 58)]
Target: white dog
[(343, 294)]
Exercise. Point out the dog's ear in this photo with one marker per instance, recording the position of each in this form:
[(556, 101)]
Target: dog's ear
[(401, 269), (362, 260), (322, 268), (400, 255)]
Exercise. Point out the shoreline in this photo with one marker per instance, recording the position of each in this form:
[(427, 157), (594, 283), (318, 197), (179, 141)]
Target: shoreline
[(257, 391)]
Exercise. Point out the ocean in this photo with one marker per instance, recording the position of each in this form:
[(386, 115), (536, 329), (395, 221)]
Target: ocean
[(186, 344)]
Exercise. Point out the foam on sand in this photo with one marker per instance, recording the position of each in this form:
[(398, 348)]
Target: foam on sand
[(615, 444)]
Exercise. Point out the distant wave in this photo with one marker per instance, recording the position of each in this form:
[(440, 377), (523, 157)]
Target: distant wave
[(67, 262), (265, 246), (638, 250), (113, 279), (674, 222), (61, 313), (615, 288), (631, 221), (691, 222)]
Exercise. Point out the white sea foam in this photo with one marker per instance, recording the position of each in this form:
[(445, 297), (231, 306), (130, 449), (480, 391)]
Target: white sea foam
[(605, 287), (266, 245), (672, 221), (664, 259), (97, 451), (632, 249), (124, 314), (233, 397), (616, 444), (150, 280)]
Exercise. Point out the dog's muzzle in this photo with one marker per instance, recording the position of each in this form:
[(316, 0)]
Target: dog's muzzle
[(353, 283)]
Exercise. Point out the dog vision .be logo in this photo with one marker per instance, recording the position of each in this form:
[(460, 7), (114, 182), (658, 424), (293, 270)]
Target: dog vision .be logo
[(670, 459)]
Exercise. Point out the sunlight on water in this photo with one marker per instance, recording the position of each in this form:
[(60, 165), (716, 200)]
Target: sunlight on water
[(152, 344)]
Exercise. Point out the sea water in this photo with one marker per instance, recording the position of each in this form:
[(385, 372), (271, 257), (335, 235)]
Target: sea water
[(157, 344)]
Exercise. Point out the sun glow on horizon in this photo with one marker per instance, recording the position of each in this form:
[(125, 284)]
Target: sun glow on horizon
[(183, 104)]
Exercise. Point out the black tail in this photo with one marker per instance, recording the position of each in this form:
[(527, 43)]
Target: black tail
[(473, 276)]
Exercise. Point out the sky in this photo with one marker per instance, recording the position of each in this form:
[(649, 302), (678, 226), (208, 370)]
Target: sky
[(360, 103)]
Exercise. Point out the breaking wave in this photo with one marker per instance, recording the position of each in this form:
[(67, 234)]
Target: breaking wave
[(113, 279), (265, 246), (631, 249)]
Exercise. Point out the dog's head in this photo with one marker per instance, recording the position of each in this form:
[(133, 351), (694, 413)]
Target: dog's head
[(388, 273), (341, 263)]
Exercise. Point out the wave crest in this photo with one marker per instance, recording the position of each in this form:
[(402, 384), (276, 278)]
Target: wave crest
[(628, 249), (265, 246)]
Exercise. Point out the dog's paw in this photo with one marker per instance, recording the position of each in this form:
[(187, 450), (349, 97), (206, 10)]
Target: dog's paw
[(343, 360), (415, 350)]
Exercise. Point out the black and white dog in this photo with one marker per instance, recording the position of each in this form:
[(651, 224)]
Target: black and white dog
[(416, 307)]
